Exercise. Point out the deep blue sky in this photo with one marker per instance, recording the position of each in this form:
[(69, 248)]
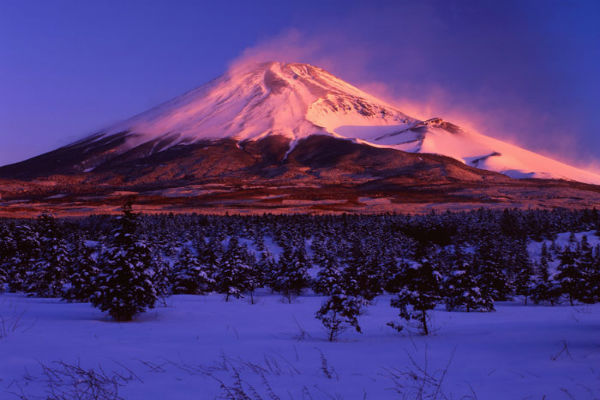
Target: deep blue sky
[(528, 71)]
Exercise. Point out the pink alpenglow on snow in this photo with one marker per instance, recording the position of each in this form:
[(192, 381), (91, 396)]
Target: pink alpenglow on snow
[(298, 100)]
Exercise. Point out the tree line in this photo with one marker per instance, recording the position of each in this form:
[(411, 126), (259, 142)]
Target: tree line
[(464, 261)]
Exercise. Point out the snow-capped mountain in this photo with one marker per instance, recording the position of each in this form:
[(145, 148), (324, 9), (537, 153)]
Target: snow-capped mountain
[(299, 100), (287, 138), (292, 100)]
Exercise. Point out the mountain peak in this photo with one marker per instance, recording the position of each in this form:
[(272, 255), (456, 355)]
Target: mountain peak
[(294, 100)]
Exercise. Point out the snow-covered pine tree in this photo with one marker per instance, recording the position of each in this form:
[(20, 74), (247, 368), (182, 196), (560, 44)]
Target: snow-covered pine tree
[(555, 249), (318, 248), (161, 269), (190, 276), (344, 304), (462, 287), (20, 265), (588, 265), (267, 267), (8, 248), (3, 278), (125, 285), (523, 271), (210, 253), (8, 245), (545, 289), (593, 278), (570, 278), (256, 277), (421, 293), (46, 226), (233, 272), (49, 274), (371, 275), (82, 275), (545, 254), (572, 239), (339, 312), (259, 239), (198, 243), (488, 263), (291, 277), (394, 274), (330, 276), (363, 275)]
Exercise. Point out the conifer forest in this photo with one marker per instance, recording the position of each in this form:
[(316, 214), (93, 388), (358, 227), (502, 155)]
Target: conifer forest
[(464, 261)]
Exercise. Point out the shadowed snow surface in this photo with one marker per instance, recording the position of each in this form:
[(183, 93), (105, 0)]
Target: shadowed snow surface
[(513, 353)]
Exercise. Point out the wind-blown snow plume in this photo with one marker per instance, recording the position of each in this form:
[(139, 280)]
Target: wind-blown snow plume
[(515, 123)]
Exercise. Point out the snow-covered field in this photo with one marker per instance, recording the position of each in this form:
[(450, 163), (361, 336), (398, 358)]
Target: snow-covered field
[(195, 346)]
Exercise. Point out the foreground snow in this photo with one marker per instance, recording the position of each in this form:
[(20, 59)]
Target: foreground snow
[(195, 346)]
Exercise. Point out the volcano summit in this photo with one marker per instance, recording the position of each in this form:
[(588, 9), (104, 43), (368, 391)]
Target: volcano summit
[(283, 138)]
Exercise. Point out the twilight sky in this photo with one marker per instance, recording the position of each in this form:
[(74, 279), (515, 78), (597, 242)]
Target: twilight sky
[(524, 71)]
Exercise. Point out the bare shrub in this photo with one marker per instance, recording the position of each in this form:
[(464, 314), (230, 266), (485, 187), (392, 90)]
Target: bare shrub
[(11, 323), (64, 381), (418, 382)]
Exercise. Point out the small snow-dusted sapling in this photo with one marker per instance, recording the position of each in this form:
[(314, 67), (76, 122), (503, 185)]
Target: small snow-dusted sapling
[(256, 277), (339, 312), (420, 294)]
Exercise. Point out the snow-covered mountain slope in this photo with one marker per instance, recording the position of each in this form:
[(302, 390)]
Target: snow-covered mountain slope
[(299, 100), (293, 100), (440, 137)]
